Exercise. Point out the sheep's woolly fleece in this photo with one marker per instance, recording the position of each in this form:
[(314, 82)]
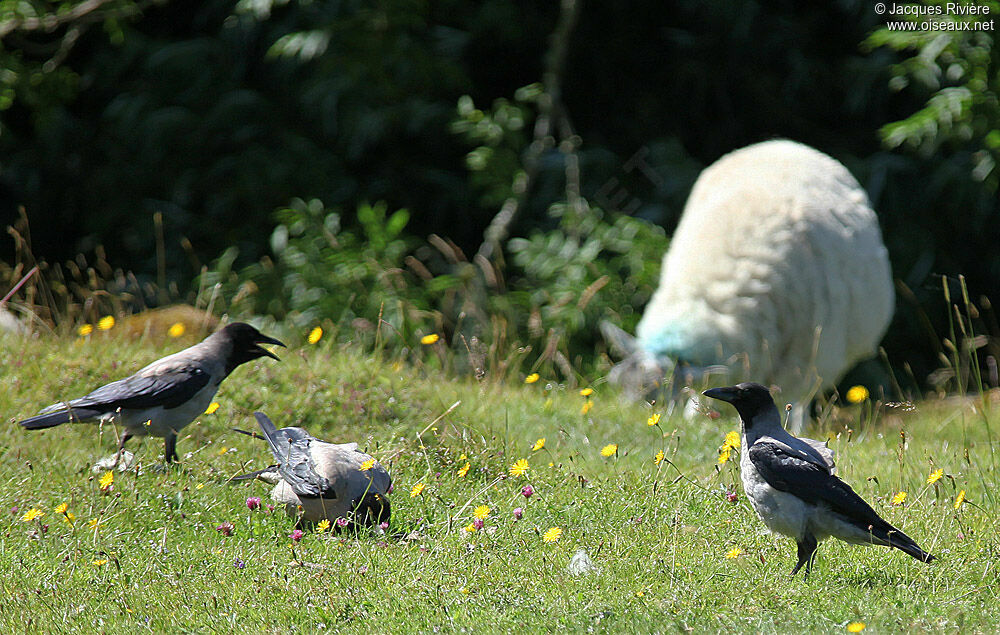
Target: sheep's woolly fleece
[(778, 256)]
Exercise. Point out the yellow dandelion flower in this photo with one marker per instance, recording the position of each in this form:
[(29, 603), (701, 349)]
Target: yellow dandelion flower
[(734, 553), (935, 476), (532, 378), (85, 330), (212, 407), (32, 514), (609, 450), (481, 512), (106, 323), (417, 490), (464, 470), (93, 523), (658, 458), (222, 450), (315, 335), (857, 394), (322, 526), (653, 420), (519, 467), (61, 508), (724, 454), (429, 339), (552, 534), (200, 486), (539, 444), (471, 528), (367, 465), (462, 457), (70, 518), (856, 627), (176, 329), (107, 481), (464, 590), (732, 440), (960, 499), (100, 563), (586, 392), (899, 498), (587, 405)]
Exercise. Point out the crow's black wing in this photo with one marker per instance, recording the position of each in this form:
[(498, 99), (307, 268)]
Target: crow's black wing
[(812, 483), (169, 388), (291, 448)]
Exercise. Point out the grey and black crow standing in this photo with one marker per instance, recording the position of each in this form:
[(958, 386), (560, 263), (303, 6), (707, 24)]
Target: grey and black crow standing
[(791, 484), (167, 395), (327, 480)]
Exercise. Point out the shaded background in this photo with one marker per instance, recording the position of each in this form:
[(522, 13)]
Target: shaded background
[(214, 114)]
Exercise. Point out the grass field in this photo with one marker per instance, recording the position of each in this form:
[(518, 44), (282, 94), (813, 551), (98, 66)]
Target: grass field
[(147, 555)]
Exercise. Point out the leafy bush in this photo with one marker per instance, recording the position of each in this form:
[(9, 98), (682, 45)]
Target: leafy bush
[(963, 107), (562, 284), (320, 271), (588, 269)]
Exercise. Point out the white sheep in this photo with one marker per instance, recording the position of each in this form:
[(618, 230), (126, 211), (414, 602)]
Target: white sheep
[(777, 272)]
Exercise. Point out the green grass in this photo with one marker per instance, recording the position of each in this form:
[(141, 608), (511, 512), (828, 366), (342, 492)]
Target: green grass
[(658, 537)]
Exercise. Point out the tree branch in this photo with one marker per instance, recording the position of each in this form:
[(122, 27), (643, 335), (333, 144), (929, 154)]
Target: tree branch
[(551, 115), (51, 21)]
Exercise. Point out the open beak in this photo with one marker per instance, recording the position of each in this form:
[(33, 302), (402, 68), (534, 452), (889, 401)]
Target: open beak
[(727, 393), (263, 339)]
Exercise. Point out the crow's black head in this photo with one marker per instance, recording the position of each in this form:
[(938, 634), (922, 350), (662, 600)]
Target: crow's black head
[(750, 399), (373, 509), (244, 344)]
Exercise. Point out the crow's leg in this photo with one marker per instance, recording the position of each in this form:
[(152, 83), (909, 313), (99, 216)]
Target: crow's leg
[(807, 553), (170, 449), (126, 435)]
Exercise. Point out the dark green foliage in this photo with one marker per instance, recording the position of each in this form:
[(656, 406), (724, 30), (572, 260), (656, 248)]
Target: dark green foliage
[(500, 135), (961, 72), (549, 299), (191, 116), (953, 130), (214, 114), (320, 271), (562, 282), (613, 259)]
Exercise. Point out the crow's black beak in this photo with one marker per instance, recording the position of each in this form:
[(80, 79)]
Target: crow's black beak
[(263, 339), (727, 393)]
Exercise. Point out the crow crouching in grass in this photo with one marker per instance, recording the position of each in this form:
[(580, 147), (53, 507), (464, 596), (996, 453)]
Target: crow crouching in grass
[(327, 481)]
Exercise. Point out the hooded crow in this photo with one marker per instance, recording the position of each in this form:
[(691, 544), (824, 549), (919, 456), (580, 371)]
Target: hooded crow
[(327, 480), (791, 484), (167, 395)]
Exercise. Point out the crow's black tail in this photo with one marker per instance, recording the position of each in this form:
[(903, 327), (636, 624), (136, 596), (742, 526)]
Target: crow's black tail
[(49, 420), (895, 538), (252, 475), (62, 413), (279, 445), (911, 548), (253, 435)]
